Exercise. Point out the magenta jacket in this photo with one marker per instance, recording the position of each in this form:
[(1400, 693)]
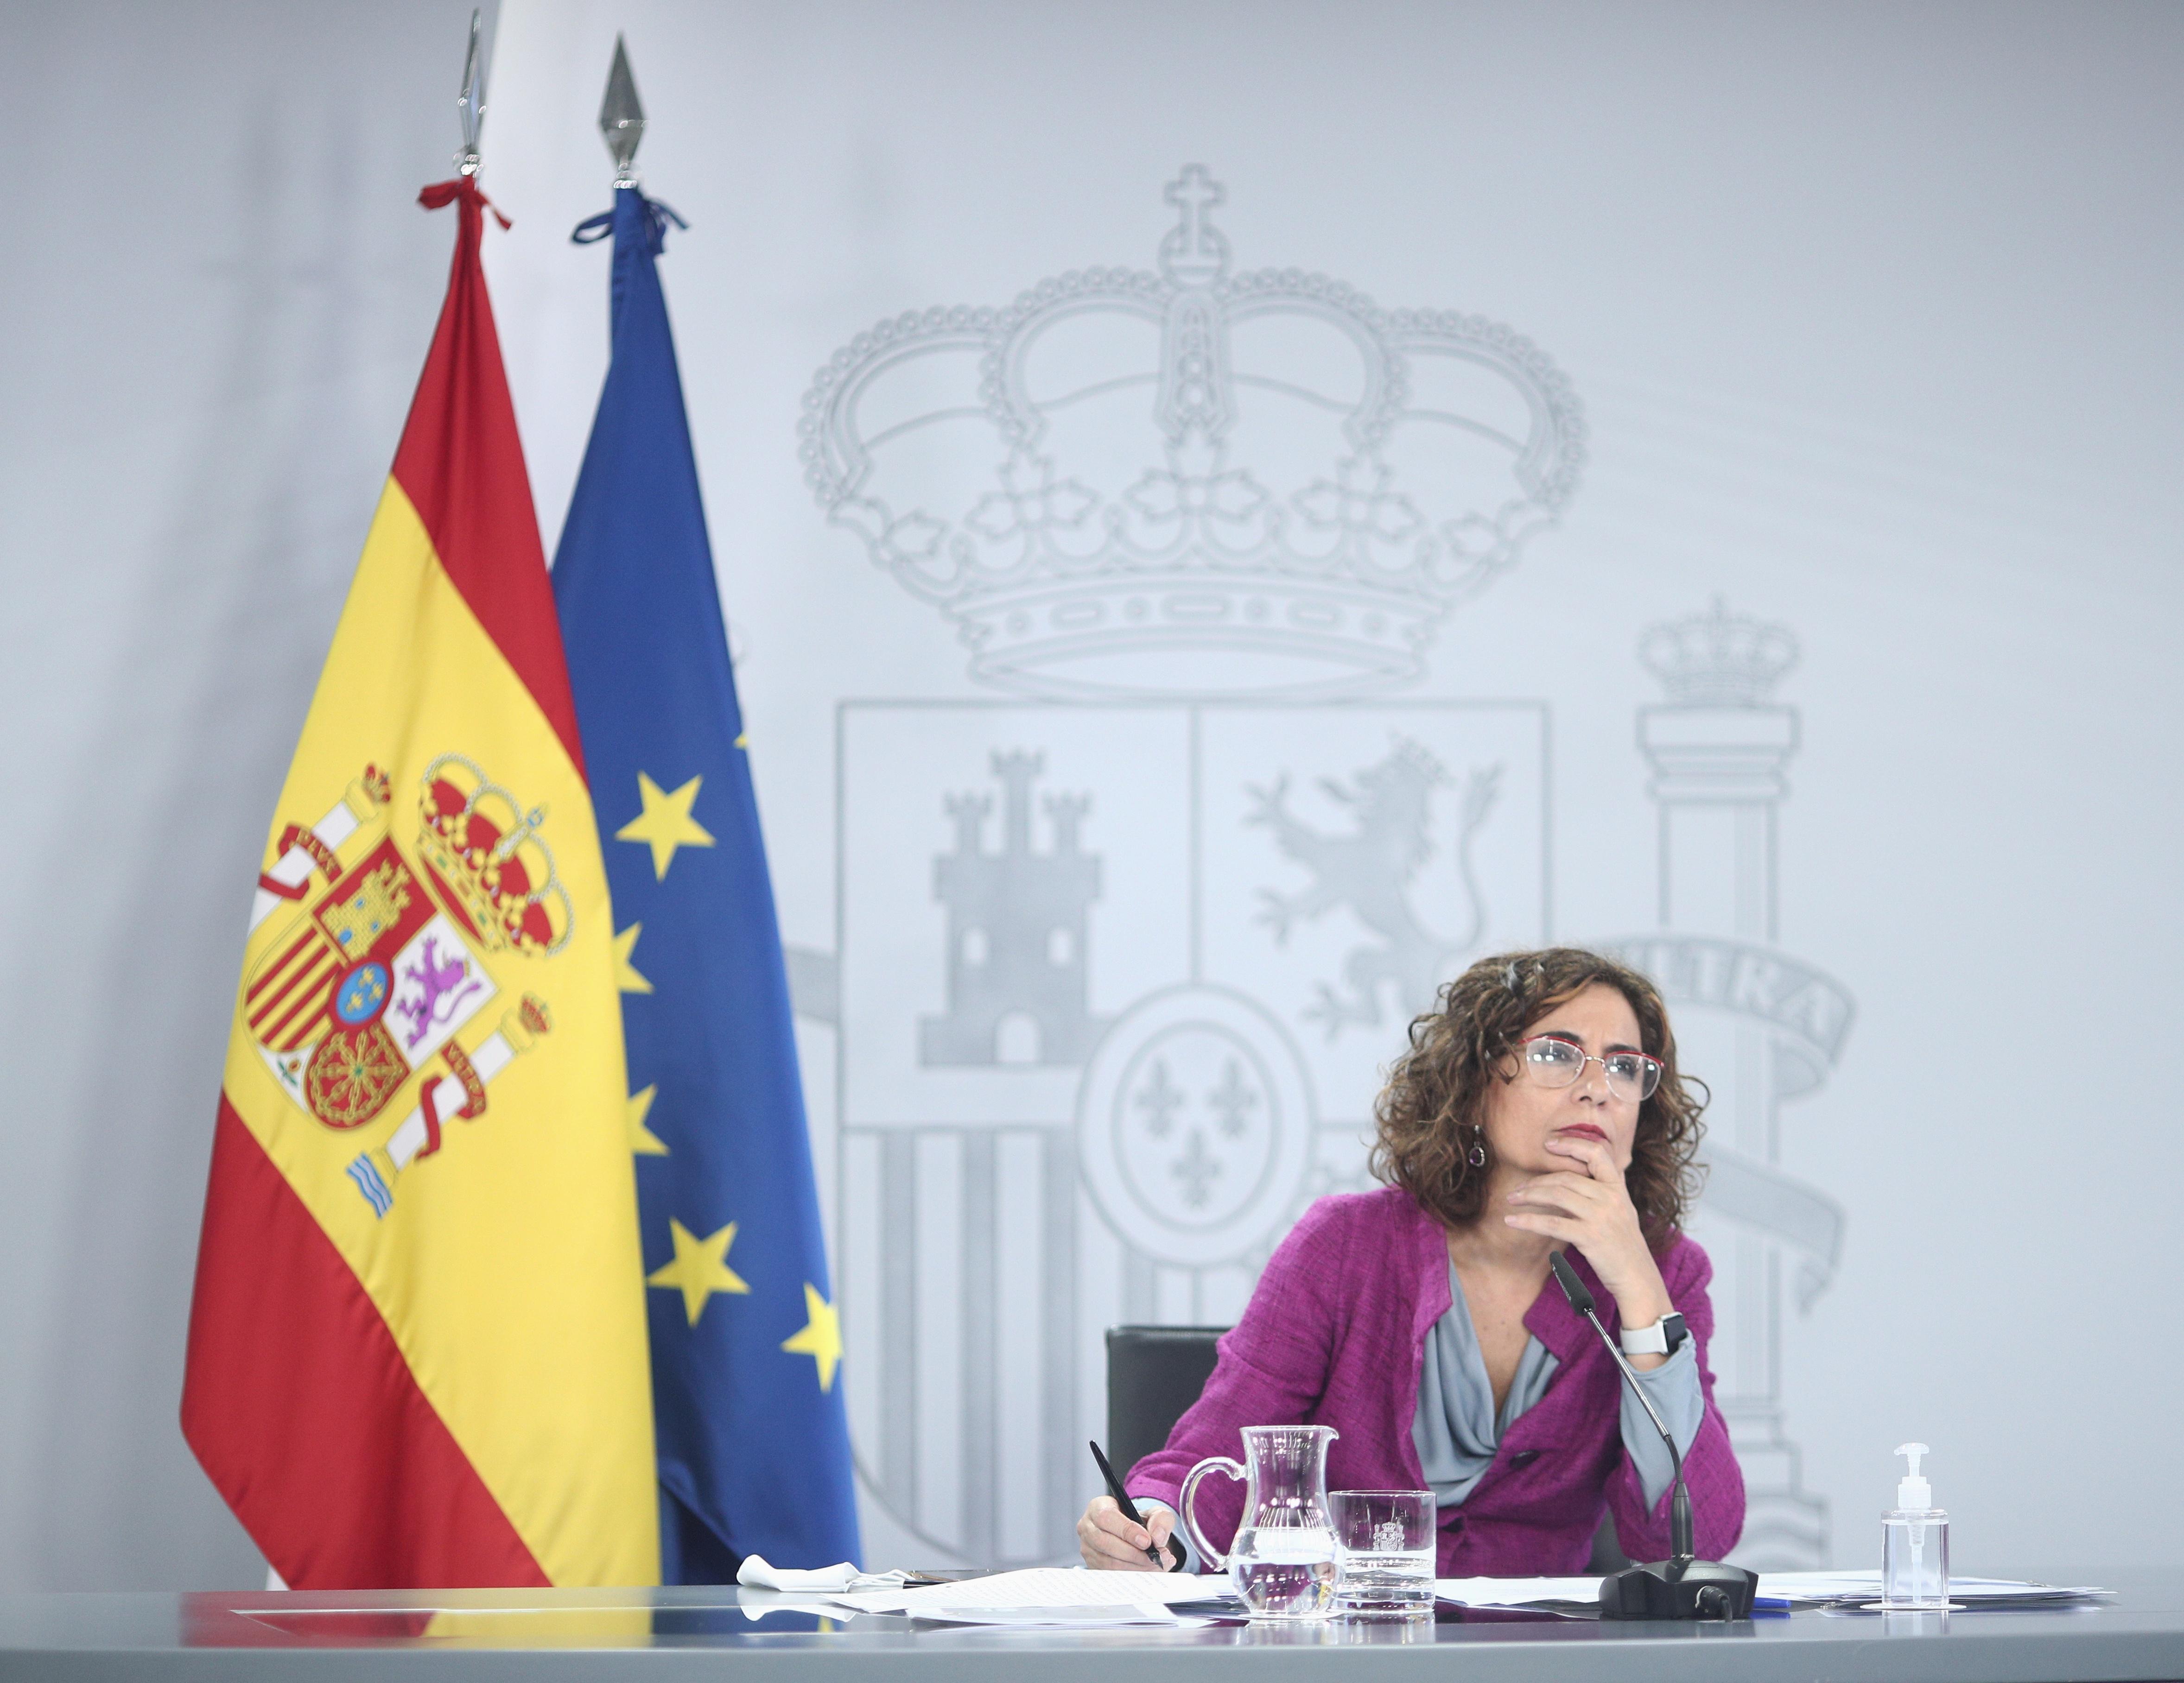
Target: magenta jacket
[(1334, 1336)]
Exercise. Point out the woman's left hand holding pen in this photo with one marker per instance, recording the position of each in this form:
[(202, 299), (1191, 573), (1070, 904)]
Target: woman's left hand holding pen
[(1111, 1542)]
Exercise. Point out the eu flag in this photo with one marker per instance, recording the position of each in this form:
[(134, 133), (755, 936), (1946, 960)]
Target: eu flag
[(753, 1443)]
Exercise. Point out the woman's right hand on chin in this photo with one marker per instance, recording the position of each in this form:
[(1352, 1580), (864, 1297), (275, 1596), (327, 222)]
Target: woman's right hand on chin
[(1110, 1542)]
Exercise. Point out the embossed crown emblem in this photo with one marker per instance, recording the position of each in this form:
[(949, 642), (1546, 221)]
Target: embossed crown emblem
[(1717, 659), (485, 852), (1192, 482)]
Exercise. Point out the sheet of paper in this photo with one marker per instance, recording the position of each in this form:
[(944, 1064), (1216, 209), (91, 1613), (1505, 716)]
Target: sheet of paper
[(1865, 1585), (1516, 1591), (1839, 1586), (1055, 1617), (1043, 1587)]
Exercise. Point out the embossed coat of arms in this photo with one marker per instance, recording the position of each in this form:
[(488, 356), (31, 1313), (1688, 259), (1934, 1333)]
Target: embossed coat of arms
[(1119, 959)]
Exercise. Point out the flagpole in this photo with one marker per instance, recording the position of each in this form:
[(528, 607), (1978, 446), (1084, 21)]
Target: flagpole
[(621, 118), (469, 103)]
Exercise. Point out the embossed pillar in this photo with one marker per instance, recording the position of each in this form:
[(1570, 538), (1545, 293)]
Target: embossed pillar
[(1718, 776), (1718, 750)]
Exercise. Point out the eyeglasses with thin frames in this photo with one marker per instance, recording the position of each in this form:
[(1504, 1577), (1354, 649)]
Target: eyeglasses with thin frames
[(1550, 1061)]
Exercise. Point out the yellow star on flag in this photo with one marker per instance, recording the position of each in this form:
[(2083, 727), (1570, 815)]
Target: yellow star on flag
[(627, 977), (666, 822), (642, 1139), (821, 1338), (701, 1268)]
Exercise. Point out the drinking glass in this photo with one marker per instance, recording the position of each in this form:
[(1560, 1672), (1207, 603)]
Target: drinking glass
[(1383, 1552)]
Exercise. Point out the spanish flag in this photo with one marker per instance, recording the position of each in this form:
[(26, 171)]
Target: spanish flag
[(417, 1350)]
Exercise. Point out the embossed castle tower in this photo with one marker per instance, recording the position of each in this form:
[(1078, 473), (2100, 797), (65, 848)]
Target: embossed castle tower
[(1016, 931)]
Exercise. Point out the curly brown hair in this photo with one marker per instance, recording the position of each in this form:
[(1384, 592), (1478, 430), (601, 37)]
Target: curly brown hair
[(1436, 1093)]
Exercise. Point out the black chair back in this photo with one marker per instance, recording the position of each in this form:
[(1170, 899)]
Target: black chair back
[(1607, 1555), (1154, 1374)]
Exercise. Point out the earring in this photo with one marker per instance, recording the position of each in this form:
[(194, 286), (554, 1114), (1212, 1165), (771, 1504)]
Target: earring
[(1476, 1157)]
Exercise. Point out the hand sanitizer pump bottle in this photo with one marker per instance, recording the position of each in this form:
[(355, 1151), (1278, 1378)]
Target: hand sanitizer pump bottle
[(1914, 1544)]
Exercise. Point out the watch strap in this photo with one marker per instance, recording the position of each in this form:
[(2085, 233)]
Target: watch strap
[(1660, 1339)]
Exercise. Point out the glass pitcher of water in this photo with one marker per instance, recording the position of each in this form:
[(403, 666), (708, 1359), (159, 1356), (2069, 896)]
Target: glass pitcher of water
[(1282, 1560)]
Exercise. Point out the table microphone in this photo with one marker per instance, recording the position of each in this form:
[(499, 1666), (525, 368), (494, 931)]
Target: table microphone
[(1679, 1588)]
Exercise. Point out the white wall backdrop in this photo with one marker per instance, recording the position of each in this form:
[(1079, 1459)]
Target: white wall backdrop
[(1857, 320)]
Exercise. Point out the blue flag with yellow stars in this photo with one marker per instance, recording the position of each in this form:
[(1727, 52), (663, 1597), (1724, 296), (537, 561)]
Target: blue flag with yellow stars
[(754, 1445)]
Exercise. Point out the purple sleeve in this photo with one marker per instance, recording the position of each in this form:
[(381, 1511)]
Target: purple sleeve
[(1716, 1482), (1270, 1370)]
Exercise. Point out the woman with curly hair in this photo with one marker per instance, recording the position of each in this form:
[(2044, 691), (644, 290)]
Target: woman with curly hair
[(1539, 1108)]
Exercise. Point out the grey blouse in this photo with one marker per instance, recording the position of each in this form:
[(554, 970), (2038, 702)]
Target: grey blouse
[(1455, 1428)]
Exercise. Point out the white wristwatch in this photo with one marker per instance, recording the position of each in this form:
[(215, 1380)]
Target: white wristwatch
[(1660, 1339)]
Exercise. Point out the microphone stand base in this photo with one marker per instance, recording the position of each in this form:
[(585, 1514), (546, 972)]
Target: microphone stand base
[(1679, 1589)]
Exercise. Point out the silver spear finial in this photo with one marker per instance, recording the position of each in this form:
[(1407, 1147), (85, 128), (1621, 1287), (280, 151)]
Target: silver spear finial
[(470, 104), (621, 118)]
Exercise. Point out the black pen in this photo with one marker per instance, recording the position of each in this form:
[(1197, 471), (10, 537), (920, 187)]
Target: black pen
[(1129, 1508)]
